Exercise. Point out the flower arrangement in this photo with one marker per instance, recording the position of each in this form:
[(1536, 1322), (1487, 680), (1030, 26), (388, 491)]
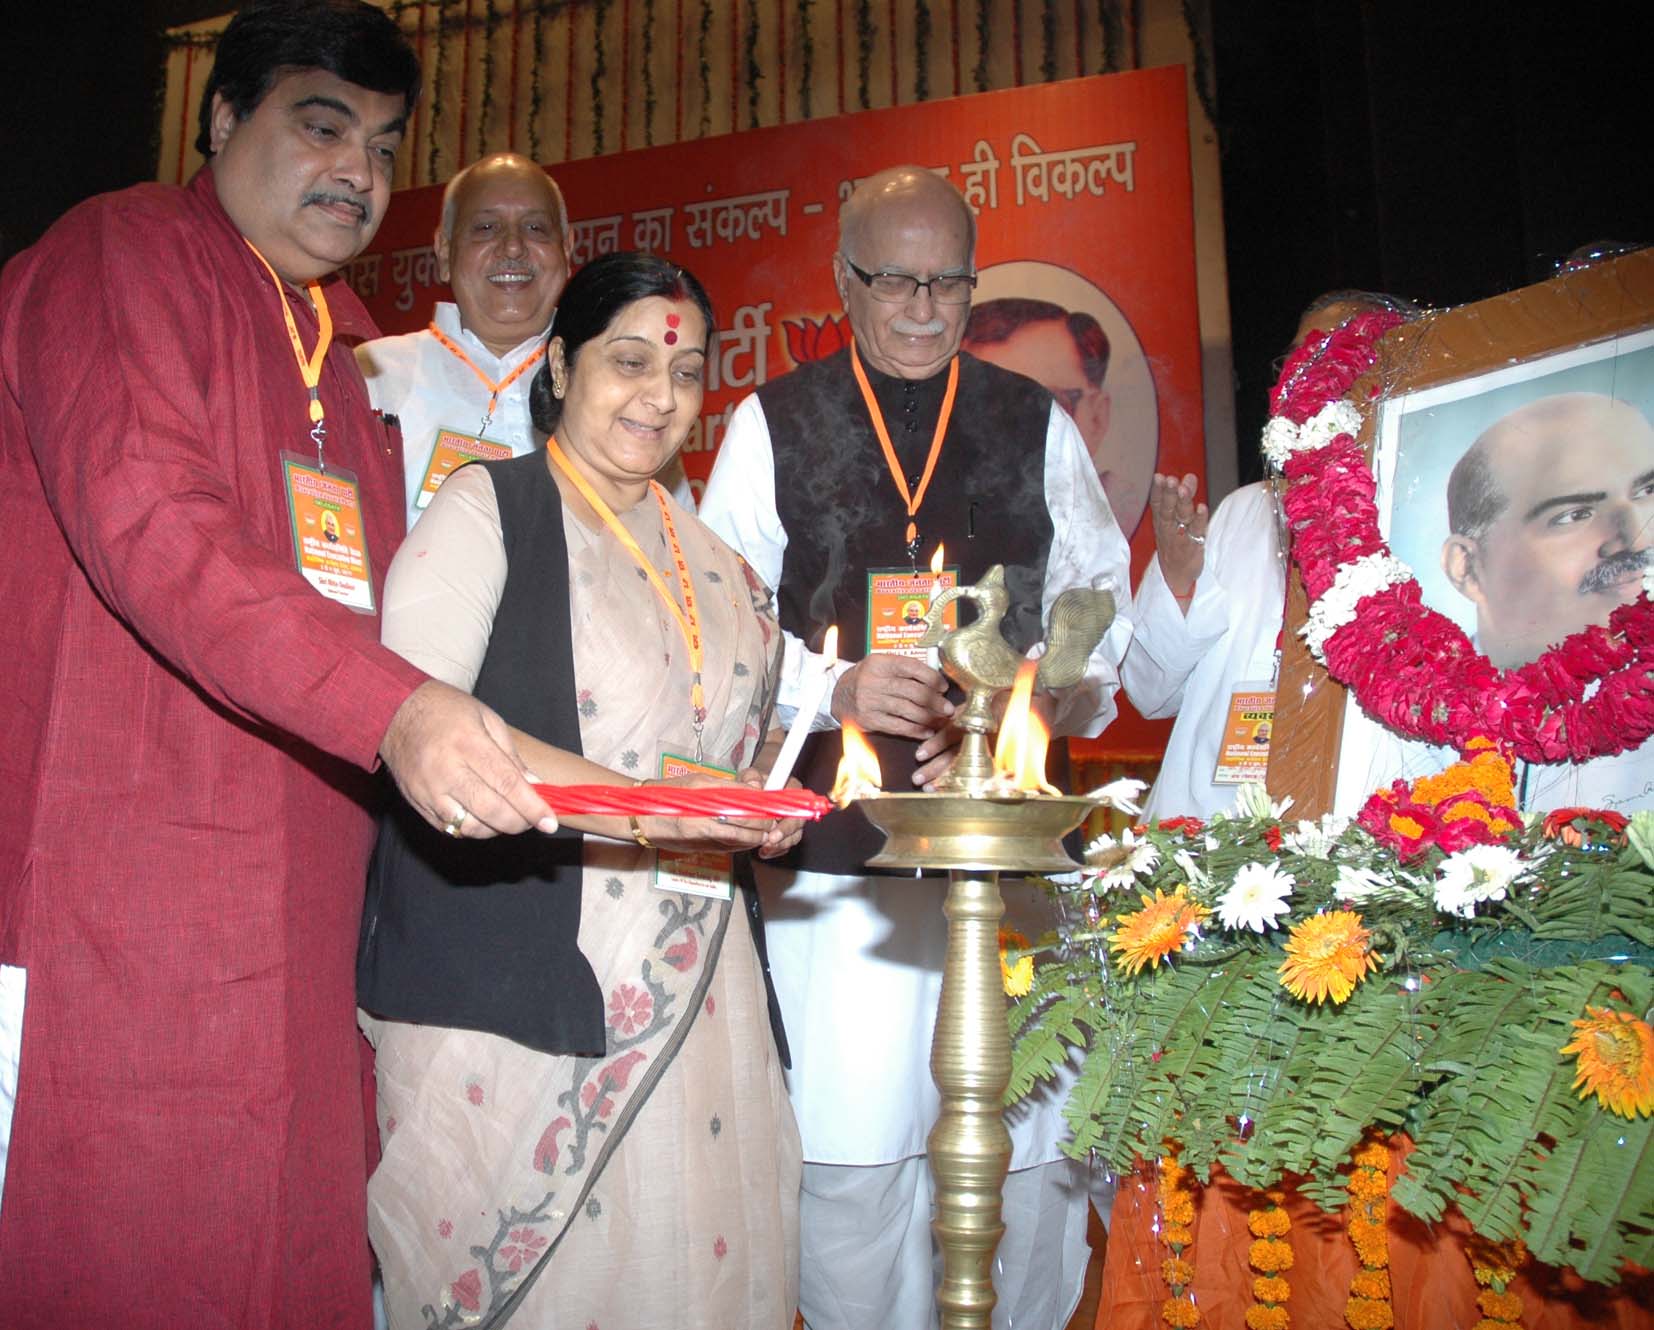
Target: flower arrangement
[(1271, 990), (1410, 667)]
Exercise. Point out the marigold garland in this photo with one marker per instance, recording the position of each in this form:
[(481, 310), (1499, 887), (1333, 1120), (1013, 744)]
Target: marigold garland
[(1495, 1264), (1177, 1214), (1368, 1306), (1326, 956), (1162, 926), (1615, 1050), (1269, 1254), (1473, 802)]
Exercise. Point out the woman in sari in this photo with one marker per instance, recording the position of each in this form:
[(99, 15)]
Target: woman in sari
[(580, 1104)]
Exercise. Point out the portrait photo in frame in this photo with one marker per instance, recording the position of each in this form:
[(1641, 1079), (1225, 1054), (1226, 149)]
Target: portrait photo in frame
[(1555, 510)]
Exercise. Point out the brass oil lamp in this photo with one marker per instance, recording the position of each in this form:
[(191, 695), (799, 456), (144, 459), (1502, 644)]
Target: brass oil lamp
[(992, 813)]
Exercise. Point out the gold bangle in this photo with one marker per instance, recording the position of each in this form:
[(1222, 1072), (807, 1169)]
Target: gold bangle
[(637, 831)]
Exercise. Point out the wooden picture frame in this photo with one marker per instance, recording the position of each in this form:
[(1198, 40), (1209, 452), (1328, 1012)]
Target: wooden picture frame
[(1526, 336)]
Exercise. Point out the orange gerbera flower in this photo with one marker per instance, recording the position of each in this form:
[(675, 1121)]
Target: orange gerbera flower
[(1016, 976), (1327, 956), (1616, 1061), (1149, 935)]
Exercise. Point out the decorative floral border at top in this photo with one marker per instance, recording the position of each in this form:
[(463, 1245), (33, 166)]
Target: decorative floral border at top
[(1412, 668)]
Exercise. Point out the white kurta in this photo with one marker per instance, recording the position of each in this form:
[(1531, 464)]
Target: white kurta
[(858, 962), (1188, 666), (428, 388)]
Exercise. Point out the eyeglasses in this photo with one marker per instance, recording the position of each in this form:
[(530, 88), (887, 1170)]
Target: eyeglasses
[(897, 288)]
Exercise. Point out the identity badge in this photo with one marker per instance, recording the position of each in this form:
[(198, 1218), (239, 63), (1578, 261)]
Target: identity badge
[(898, 600), (330, 544), (450, 451), (1243, 757), (704, 872)]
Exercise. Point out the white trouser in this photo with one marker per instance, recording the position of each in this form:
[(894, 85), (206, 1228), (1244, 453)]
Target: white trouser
[(868, 1261)]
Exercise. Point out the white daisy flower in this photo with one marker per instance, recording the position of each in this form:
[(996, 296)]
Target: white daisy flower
[(1256, 898), (1121, 794), (1316, 839), (1118, 863), (1481, 873), (1191, 870), (1252, 800), (1359, 884)]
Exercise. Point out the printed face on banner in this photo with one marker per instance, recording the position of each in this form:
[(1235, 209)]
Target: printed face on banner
[(1050, 324), (507, 257)]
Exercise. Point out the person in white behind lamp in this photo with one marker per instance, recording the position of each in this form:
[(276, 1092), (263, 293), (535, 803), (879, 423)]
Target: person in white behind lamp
[(1207, 618)]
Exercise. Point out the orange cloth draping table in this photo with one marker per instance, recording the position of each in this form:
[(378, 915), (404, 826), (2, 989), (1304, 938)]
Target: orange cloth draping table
[(1431, 1280)]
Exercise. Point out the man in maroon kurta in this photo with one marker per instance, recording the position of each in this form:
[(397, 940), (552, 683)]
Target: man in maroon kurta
[(185, 804)]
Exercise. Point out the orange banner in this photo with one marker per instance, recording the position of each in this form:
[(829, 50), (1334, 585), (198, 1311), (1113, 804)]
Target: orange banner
[(1082, 195)]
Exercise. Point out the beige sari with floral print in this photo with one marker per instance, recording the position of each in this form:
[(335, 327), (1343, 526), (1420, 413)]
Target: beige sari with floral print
[(656, 1186)]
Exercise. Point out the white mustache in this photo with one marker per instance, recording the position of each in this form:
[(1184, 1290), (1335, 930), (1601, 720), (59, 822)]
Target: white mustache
[(908, 328)]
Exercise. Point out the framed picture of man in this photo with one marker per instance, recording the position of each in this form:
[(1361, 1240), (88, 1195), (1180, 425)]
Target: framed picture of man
[(1512, 444)]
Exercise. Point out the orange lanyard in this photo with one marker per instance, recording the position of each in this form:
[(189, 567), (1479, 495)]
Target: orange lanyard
[(689, 623), (911, 499), (310, 367), (494, 389)]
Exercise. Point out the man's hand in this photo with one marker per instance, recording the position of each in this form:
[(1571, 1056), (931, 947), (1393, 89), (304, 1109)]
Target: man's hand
[(454, 761), (936, 756), (1179, 531), (888, 693)]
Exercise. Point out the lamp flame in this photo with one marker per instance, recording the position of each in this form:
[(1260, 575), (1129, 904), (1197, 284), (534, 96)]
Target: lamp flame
[(858, 769), (829, 646), (936, 563), (1019, 756)]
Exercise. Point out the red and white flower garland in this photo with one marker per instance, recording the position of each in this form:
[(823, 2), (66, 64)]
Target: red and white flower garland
[(1412, 668)]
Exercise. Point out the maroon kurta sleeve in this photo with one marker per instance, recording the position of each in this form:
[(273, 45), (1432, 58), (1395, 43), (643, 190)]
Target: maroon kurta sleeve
[(185, 817), (127, 359)]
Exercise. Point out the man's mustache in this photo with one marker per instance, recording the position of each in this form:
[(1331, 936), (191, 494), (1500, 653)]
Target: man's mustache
[(1616, 568), (363, 206), (908, 328)]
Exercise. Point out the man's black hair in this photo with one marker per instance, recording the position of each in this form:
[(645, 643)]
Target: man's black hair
[(267, 38)]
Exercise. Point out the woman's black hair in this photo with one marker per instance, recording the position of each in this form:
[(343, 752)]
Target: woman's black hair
[(593, 300), (267, 38)]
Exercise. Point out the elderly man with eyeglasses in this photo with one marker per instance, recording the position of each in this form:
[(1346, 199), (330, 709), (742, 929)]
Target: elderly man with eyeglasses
[(837, 482)]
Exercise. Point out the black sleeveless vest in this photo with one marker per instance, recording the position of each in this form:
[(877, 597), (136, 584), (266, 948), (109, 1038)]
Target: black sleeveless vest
[(842, 515), (482, 935)]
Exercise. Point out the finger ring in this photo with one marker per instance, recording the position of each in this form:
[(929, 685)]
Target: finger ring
[(1199, 540), (453, 824), (1182, 526)]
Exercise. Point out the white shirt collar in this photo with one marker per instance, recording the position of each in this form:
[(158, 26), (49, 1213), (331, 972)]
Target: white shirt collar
[(446, 318)]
